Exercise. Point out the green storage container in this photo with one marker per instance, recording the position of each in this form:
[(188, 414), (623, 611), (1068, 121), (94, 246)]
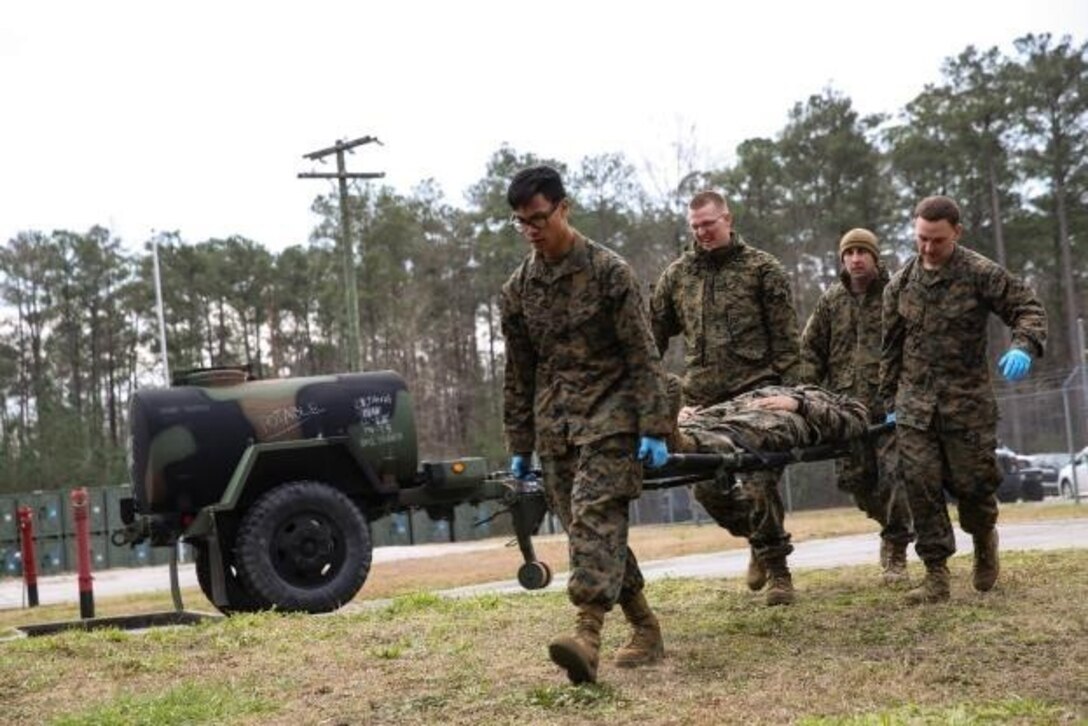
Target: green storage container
[(379, 532), (425, 529), (399, 524), (130, 556), (9, 523), (467, 515), (113, 497), (463, 517), (51, 555), (47, 510), (161, 555), (100, 549), (142, 554), (96, 511), (11, 560), (391, 529), (117, 555)]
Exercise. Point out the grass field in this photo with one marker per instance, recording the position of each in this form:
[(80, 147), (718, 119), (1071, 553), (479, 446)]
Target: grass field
[(848, 652)]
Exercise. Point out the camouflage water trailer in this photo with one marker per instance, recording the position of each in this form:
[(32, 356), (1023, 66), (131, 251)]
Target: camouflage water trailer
[(273, 481)]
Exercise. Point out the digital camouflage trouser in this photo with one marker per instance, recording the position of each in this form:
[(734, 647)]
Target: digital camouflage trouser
[(751, 509), (589, 488), (962, 461), (870, 475)]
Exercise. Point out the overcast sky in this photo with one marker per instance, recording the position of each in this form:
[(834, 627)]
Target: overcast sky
[(194, 116)]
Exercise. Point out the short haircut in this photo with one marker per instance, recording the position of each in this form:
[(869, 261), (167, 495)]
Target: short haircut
[(534, 180), (934, 209), (706, 197)]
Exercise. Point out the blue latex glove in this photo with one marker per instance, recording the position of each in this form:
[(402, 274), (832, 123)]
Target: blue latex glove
[(1014, 365), (519, 466), (890, 418), (652, 452)]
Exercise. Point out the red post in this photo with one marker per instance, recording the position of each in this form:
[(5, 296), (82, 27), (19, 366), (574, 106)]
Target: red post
[(30, 558), (83, 551)]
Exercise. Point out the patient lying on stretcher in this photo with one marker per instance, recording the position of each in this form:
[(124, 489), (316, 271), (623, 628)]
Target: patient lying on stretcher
[(771, 418)]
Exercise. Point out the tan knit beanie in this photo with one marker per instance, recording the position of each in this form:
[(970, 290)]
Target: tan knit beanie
[(859, 237)]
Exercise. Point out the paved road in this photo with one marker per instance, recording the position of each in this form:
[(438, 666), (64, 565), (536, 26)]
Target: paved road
[(124, 581), (811, 554), (826, 553)]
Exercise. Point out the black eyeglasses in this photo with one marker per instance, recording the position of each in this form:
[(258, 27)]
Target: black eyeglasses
[(536, 221)]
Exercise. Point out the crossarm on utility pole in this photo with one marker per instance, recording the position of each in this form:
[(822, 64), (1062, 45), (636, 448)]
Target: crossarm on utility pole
[(345, 175), (342, 146)]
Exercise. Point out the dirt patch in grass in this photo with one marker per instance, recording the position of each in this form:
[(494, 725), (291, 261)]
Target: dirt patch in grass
[(848, 651)]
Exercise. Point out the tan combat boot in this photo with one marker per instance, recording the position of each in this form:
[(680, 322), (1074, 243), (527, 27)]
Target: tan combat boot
[(987, 565), (893, 558), (757, 573), (780, 591), (578, 654), (646, 645), (936, 587)]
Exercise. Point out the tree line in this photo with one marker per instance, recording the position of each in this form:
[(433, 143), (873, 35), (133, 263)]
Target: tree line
[(1006, 134)]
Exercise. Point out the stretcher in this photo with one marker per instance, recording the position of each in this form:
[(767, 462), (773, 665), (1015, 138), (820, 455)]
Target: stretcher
[(524, 498)]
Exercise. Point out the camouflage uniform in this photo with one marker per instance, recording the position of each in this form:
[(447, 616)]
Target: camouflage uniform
[(840, 349), (935, 375), (733, 426), (821, 417), (582, 381), (734, 308)]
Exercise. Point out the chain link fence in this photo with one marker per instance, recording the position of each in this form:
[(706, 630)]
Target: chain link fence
[(1053, 417)]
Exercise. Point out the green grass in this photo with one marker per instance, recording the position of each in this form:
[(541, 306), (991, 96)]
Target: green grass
[(187, 703), (1013, 710), (849, 652)]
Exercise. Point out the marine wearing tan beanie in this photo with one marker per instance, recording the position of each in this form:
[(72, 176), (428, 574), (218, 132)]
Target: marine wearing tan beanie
[(860, 237)]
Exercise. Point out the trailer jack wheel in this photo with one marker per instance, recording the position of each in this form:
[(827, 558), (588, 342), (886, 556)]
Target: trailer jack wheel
[(534, 575)]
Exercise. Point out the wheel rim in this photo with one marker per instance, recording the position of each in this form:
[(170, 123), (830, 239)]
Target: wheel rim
[(307, 549)]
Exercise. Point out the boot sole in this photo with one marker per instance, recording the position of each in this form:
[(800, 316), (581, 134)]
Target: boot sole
[(636, 662), (570, 660)]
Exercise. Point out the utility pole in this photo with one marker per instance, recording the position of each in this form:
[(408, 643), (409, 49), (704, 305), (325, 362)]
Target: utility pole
[(351, 291), (158, 304), (682, 232)]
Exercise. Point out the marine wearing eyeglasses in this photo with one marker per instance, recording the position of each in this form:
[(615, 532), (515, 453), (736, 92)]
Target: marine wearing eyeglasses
[(732, 304), (584, 388)]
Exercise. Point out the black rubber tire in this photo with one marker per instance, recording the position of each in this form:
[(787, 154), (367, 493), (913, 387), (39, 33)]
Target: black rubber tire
[(240, 599), (304, 546)]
